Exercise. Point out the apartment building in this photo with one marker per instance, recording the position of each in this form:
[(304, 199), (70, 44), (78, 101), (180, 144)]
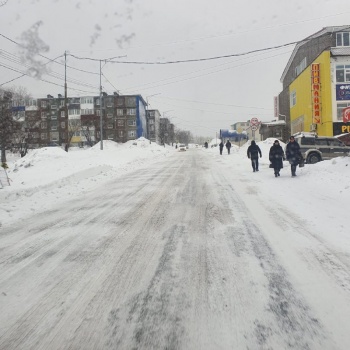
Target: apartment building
[(50, 121), (153, 123)]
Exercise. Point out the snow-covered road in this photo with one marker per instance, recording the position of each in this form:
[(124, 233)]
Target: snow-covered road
[(187, 253)]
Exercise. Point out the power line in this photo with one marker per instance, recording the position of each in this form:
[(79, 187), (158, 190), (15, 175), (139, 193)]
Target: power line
[(110, 60)]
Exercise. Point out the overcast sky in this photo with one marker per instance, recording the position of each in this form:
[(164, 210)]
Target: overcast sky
[(200, 96)]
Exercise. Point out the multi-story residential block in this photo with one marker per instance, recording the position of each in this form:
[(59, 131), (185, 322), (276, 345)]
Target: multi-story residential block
[(316, 83), (50, 121), (153, 123)]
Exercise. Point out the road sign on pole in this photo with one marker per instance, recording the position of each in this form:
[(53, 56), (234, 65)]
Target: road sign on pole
[(254, 121)]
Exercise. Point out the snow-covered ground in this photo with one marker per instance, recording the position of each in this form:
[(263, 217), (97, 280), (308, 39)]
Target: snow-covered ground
[(46, 176), (143, 246)]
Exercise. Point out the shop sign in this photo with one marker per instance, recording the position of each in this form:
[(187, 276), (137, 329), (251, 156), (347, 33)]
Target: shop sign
[(346, 115), (342, 92), (316, 93)]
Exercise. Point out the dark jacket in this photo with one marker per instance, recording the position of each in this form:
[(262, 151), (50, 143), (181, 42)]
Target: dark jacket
[(228, 144), (253, 151), (293, 152), (276, 156), (221, 145)]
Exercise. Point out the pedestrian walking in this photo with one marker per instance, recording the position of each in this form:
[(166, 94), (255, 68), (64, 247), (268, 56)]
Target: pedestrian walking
[(228, 146), (293, 155), (253, 153), (221, 147), (276, 157)]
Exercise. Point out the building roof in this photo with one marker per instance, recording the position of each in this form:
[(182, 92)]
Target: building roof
[(321, 32)]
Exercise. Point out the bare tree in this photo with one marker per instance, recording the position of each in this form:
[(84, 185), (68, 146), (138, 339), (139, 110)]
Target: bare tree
[(8, 124)]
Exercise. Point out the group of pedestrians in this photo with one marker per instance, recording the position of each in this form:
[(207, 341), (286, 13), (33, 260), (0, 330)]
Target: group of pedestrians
[(276, 156), (228, 146)]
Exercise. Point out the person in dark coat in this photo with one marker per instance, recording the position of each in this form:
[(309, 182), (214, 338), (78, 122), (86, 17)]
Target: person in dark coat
[(276, 157), (221, 146), (253, 153), (228, 146), (293, 154)]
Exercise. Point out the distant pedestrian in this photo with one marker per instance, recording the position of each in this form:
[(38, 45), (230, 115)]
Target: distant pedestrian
[(228, 146), (293, 154), (253, 153), (221, 147), (276, 156), (206, 144)]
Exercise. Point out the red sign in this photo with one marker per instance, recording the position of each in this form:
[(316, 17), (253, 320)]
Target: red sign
[(346, 115), (315, 93), (254, 121)]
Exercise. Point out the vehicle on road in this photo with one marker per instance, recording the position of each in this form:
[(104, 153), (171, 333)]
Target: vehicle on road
[(182, 147), (317, 148)]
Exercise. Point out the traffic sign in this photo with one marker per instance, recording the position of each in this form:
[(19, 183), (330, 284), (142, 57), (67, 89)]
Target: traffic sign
[(254, 127), (254, 121)]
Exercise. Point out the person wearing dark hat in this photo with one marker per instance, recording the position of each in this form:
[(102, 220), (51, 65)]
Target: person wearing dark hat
[(293, 154), (253, 153), (276, 156)]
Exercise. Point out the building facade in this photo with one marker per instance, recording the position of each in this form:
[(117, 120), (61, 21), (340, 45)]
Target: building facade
[(316, 83), (153, 123), (52, 121)]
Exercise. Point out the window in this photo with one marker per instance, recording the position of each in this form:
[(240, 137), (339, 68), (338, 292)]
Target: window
[(53, 106), (110, 126), (87, 111), (63, 125), (109, 102), (343, 39), (131, 101), (321, 142), (300, 67), (342, 73), (151, 121), (53, 117), (151, 128), (110, 137), (43, 104), (62, 103), (34, 135), (63, 114), (120, 101), (293, 98), (30, 103), (131, 134), (131, 111), (120, 112), (74, 111), (121, 133), (109, 115), (97, 102), (120, 122), (340, 107), (54, 136), (98, 112), (132, 122), (43, 135), (44, 125), (86, 100)]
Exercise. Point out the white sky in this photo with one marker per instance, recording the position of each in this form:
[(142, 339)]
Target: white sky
[(203, 97)]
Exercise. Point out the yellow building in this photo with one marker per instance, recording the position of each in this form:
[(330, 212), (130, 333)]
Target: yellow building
[(316, 83)]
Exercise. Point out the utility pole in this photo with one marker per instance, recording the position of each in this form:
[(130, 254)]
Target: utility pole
[(65, 100), (101, 121)]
